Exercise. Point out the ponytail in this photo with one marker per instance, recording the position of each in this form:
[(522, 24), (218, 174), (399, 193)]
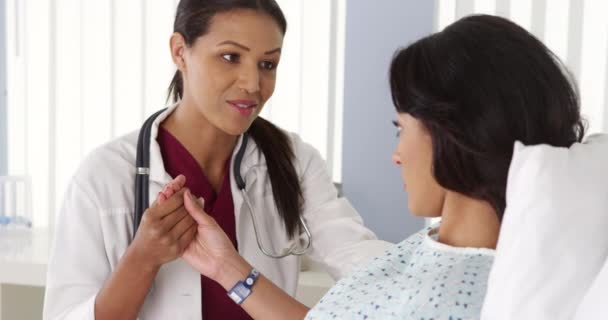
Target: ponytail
[(286, 189)]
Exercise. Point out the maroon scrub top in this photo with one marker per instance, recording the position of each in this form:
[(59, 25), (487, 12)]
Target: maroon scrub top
[(177, 160)]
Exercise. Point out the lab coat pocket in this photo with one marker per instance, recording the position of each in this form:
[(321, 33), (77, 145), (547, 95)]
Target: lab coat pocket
[(117, 226)]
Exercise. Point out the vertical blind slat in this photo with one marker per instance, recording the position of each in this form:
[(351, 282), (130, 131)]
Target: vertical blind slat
[(539, 14), (52, 133), (464, 8), (503, 8), (575, 37)]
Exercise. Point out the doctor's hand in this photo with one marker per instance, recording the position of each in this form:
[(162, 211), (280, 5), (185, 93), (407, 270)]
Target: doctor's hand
[(211, 253), (166, 229), (171, 188)]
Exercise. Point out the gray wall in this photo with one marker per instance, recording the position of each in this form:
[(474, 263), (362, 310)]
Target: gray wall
[(3, 124), (21, 302), (374, 30)]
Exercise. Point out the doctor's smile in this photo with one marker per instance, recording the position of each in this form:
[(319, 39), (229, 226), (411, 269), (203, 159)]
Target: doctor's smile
[(244, 107)]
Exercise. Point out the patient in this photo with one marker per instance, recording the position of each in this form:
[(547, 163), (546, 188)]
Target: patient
[(463, 96)]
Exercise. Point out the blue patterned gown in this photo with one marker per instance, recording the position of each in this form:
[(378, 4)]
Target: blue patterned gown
[(418, 278)]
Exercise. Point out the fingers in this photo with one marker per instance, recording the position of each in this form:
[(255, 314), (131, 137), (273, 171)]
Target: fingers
[(161, 197), (195, 209), (182, 226), (169, 221), (171, 188), (174, 186), (161, 209), (179, 182), (187, 237)]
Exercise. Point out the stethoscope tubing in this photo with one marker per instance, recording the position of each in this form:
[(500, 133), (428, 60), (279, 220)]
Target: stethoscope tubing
[(142, 184)]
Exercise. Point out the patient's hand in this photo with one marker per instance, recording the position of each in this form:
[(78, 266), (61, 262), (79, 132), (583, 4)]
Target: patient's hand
[(211, 250)]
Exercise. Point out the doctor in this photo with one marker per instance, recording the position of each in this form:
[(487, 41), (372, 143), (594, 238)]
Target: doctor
[(101, 267)]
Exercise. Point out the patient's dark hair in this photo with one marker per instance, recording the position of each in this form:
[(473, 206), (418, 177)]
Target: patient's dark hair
[(192, 20), (478, 86)]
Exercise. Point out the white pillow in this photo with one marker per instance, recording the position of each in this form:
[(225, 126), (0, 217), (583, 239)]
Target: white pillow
[(554, 234), (593, 305)]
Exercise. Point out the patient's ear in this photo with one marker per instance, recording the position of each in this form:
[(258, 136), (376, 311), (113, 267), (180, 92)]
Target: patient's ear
[(177, 44)]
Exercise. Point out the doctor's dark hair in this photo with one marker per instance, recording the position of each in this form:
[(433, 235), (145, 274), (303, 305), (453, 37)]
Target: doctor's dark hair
[(477, 87), (192, 21)]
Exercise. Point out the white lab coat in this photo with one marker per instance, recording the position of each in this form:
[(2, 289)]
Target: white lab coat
[(94, 229)]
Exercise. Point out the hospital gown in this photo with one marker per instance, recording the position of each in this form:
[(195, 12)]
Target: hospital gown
[(419, 278)]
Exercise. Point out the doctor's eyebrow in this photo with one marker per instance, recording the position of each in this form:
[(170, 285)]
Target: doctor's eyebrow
[(395, 123), (230, 42)]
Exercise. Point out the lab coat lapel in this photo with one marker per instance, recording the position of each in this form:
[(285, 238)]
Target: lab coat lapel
[(158, 175)]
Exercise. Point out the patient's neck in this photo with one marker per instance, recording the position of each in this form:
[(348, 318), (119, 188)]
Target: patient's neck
[(467, 222)]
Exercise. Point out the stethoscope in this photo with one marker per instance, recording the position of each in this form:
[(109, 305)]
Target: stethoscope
[(142, 188)]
